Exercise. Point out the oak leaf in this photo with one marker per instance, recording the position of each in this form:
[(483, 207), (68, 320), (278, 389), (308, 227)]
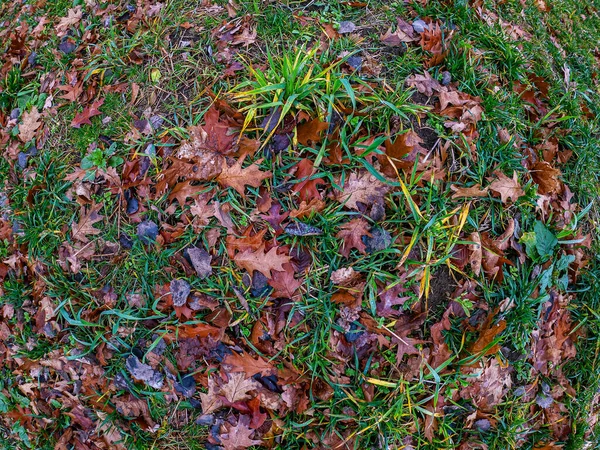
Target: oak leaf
[(212, 137), (238, 387), (469, 192), (237, 177), (404, 33), (83, 118), (306, 187), (85, 226), (283, 283), (183, 190), (362, 188), (508, 188), (31, 122), (244, 362), (425, 84), (238, 437), (546, 178), (352, 233), (261, 261), (309, 133), (73, 18), (211, 401)]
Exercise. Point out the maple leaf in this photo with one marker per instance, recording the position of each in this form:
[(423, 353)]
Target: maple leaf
[(83, 118), (260, 261), (238, 437), (237, 177), (85, 226), (309, 133), (238, 387), (244, 362), (352, 233), (31, 122), (362, 188), (508, 188)]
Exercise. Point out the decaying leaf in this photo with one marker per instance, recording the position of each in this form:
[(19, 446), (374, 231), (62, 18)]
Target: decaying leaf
[(362, 188), (85, 227), (508, 188), (31, 122), (352, 234)]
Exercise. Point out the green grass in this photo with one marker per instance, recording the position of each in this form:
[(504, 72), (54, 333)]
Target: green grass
[(370, 398)]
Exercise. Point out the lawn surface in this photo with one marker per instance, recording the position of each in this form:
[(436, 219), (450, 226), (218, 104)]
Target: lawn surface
[(294, 225)]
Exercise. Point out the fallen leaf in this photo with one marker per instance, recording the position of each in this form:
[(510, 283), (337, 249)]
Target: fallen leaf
[(238, 437), (31, 122), (261, 261), (362, 188), (352, 233), (309, 133), (144, 372), (238, 387), (546, 178), (85, 226), (508, 188), (244, 362), (425, 84), (468, 192), (237, 177), (83, 118)]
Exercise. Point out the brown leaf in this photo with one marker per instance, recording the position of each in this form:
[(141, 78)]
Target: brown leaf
[(425, 84), (244, 362), (238, 437), (73, 18), (135, 407), (352, 233), (404, 33), (283, 283), (306, 187), (237, 177), (31, 122), (362, 188), (83, 118), (81, 230), (546, 178), (213, 136), (476, 253), (508, 188), (468, 192), (487, 336), (238, 387), (260, 261), (211, 401), (183, 190), (309, 133)]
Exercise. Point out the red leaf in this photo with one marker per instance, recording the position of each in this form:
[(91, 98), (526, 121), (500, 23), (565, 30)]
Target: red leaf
[(83, 118)]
